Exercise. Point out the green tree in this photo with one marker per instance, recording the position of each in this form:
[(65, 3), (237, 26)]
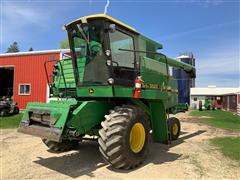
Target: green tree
[(13, 48), (64, 44), (30, 49)]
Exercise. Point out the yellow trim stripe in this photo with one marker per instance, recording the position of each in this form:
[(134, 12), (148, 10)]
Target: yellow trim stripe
[(106, 17)]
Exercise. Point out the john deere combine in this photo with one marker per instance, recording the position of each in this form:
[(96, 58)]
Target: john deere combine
[(116, 86)]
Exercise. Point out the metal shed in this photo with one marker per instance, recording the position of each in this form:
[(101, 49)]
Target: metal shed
[(231, 101)]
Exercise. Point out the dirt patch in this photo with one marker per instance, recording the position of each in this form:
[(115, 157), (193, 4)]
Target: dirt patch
[(190, 157), (205, 117)]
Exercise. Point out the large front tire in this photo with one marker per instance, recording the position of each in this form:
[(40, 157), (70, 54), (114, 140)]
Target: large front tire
[(124, 138), (16, 110)]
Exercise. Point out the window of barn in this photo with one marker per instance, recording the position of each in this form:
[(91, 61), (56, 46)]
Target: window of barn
[(24, 89)]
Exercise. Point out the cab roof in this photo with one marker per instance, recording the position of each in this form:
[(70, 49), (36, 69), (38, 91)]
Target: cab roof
[(103, 16)]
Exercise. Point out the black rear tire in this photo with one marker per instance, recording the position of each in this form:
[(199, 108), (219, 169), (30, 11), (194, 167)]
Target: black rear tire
[(65, 145), (16, 110), (174, 128), (3, 113), (122, 128)]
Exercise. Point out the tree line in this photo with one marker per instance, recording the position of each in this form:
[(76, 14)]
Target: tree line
[(15, 48)]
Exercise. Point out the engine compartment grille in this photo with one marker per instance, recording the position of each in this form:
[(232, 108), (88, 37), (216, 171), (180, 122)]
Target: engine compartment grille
[(40, 117)]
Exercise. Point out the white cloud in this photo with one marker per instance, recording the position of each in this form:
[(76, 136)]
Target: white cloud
[(205, 3), (18, 19), (219, 82), (26, 14), (196, 30), (219, 66)]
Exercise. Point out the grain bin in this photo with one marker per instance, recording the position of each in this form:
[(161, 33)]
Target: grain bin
[(184, 82)]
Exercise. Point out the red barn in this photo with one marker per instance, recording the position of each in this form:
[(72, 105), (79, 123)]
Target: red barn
[(225, 98), (23, 77), (231, 101)]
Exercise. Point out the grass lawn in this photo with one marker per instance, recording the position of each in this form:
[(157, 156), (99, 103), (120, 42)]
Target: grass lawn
[(10, 121), (219, 119), (229, 146)]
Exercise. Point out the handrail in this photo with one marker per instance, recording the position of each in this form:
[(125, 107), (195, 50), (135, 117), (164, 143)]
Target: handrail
[(46, 72)]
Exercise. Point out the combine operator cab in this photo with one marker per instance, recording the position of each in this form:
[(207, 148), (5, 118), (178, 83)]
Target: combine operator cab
[(98, 58)]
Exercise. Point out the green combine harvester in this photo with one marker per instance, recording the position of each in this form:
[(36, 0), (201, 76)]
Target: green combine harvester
[(115, 86)]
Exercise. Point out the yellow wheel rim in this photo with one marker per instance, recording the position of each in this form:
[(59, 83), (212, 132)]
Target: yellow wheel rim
[(137, 137), (175, 129)]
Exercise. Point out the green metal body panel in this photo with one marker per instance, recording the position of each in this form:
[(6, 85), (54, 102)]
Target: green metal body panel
[(88, 115), (180, 107), (47, 120), (150, 69), (59, 110), (77, 116), (95, 91), (159, 121), (179, 64)]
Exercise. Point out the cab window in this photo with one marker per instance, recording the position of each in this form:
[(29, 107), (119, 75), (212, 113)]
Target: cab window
[(119, 40)]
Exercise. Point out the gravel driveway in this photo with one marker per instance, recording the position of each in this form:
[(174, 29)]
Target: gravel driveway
[(26, 157)]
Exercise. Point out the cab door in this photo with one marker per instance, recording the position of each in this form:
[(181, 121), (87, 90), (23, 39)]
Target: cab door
[(123, 62)]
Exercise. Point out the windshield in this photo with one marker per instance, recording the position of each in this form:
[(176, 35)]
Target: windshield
[(86, 43)]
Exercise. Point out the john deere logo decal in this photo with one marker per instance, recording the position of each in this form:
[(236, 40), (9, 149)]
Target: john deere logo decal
[(91, 91)]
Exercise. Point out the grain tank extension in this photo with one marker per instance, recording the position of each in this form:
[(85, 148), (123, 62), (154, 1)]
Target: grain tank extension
[(114, 86)]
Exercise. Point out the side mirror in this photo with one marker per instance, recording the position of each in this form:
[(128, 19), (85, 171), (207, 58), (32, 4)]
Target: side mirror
[(112, 28)]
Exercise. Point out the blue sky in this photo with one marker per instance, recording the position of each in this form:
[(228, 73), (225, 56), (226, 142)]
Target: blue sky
[(208, 28)]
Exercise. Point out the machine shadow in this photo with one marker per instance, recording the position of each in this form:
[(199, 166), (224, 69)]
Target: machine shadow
[(88, 158), (84, 161), (185, 137)]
